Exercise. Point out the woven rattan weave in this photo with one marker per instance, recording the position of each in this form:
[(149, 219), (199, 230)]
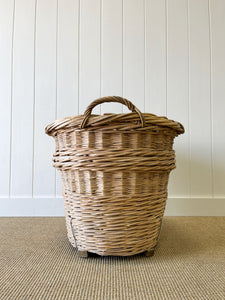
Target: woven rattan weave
[(115, 170)]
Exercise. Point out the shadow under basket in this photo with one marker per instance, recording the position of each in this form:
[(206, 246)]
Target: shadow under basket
[(115, 170)]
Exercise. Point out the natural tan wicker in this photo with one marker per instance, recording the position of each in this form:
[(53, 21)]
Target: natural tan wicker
[(115, 170)]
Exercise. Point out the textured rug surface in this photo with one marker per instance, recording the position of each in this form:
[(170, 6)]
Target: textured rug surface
[(38, 262)]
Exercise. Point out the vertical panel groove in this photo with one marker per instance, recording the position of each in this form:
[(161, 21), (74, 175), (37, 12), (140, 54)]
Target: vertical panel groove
[(189, 118), (56, 77), (11, 108), (34, 98), (100, 87), (56, 59), (144, 53), (166, 53), (78, 66), (211, 105), (122, 48)]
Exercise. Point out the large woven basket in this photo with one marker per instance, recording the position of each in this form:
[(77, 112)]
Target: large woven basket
[(115, 170)]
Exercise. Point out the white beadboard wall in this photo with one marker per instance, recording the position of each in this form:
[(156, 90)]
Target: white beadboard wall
[(167, 56)]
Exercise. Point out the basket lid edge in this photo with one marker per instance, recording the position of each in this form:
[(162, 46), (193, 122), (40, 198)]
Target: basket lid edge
[(75, 121)]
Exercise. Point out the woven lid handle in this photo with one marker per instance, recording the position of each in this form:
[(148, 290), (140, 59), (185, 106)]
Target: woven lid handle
[(118, 99)]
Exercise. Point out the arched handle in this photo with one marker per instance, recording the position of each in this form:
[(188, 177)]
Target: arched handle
[(118, 99)]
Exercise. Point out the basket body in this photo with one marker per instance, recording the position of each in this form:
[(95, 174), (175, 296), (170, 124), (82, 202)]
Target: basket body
[(115, 171), (114, 187)]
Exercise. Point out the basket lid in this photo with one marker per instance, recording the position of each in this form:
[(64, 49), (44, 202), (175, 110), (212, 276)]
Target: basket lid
[(123, 121)]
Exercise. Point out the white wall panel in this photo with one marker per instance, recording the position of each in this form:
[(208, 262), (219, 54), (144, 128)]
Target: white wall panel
[(23, 98), (111, 53), (200, 99), (156, 62), (45, 96), (218, 95), (6, 42), (67, 64), (56, 56), (133, 52), (177, 90), (67, 57), (89, 53)]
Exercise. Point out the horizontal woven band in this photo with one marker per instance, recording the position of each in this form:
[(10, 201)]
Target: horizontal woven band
[(118, 198), (111, 160)]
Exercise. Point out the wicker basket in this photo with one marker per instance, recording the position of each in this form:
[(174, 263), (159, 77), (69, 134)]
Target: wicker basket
[(115, 170)]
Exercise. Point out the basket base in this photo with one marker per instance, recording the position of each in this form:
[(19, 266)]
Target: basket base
[(150, 252), (84, 254)]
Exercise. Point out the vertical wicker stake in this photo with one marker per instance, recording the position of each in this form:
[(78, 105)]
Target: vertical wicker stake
[(115, 171)]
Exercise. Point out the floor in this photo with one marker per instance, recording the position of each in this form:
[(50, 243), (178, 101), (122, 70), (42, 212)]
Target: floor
[(38, 262)]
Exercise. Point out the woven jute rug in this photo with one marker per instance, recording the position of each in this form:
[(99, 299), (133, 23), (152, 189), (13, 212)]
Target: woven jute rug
[(38, 262)]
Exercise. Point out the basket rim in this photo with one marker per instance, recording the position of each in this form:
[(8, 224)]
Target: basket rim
[(130, 121)]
